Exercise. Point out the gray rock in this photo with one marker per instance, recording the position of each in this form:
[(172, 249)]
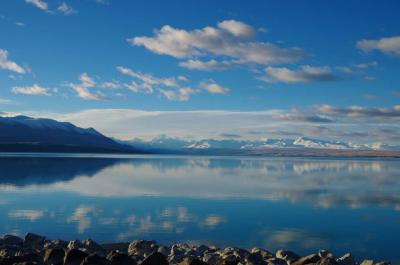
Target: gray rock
[(367, 262), (310, 259), (74, 257), (287, 255), (34, 241), (211, 258), (142, 248), (54, 256), (383, 263), (9, 250), (192, 261), (255, 258), (325, 254), (74, 244), (118, 258), (163, 250), (93, 248), (346, 259), (276, 261), (155, 259), (12, 240), (264, 253), (121, 247), (95, 260), (327, 261)]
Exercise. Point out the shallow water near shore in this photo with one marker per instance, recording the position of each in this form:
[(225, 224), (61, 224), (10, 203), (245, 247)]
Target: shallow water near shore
[(301, 204)]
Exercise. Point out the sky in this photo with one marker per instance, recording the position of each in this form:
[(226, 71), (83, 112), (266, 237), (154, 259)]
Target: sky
[(206, 69)]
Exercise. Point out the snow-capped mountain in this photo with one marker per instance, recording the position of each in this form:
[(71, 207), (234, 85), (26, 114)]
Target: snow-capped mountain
[(22, 133), (177, 144)]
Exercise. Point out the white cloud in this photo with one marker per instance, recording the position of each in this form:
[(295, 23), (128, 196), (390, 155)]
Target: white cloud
[(143, 87), (206, 65), (34, 90), (20, 24), (306, 74), (66, 9), (230, 38), (147, 78), (181, 94), (9, 65), (390, 45), (39, 4), (212, 87), (110, 85), (6, 101), (366, 65), (31, 215), (83, 88)]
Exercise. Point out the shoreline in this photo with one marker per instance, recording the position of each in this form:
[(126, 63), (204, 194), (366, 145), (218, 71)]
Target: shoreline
[(37, 249)]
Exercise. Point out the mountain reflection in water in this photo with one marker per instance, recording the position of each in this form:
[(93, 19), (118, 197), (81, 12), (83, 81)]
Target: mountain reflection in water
[(298, 203)]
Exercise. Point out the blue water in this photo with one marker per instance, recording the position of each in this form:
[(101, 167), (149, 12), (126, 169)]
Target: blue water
[(300, 204)]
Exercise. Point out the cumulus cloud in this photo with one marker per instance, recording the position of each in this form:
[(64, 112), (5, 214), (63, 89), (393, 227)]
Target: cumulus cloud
[(34, 90), (389, 45), (363, 112), (66, 9), (206, 65), (6, 64), (181, 94), (212, 87), (83, 88), (305, 74), (230, 38), (39, 4)]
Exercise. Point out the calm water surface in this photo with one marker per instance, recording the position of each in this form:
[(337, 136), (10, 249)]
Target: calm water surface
[(295, 203)]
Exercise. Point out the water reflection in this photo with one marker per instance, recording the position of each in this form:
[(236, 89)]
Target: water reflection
[(323, 183), (301, 204)]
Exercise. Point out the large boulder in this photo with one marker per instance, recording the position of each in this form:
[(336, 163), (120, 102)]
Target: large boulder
[(54, 256), (74, 257), (310, 259), (367, 262), (192, 261), (255, 258), (94, 259), (118, 258), (34, 241), (12, 240), (287, 255), (142, 248), (155, 259), (327, 261), (346, 259), (93, 248)]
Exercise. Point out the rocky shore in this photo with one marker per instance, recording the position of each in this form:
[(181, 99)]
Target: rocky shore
[(36, 249)]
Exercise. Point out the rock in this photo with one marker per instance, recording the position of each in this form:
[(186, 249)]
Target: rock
[(163, 250), (34, 241), (121, 247), (8, 250), (93, 248), (383, 263), (264, 253), (346, 259), (118, 258), (211, 258), (325, 254), (142, 248), (255, 258), (287, 255), (74, 244), (74, 257), (95, 260), (327, 261), (310, 259), (192, 261), (155, 259), (12, 240), (276, 261), (12, 260), (367, 262), (54, 256)]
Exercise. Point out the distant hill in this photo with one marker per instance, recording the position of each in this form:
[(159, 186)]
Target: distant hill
[(26, 134)]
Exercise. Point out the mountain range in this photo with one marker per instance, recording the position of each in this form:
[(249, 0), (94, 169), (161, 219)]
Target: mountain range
[(26, 134)]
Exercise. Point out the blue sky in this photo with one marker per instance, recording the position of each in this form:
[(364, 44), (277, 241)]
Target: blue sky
[(297, 64)]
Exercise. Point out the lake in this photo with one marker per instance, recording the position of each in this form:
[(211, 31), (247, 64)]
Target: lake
[(301, 204)]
